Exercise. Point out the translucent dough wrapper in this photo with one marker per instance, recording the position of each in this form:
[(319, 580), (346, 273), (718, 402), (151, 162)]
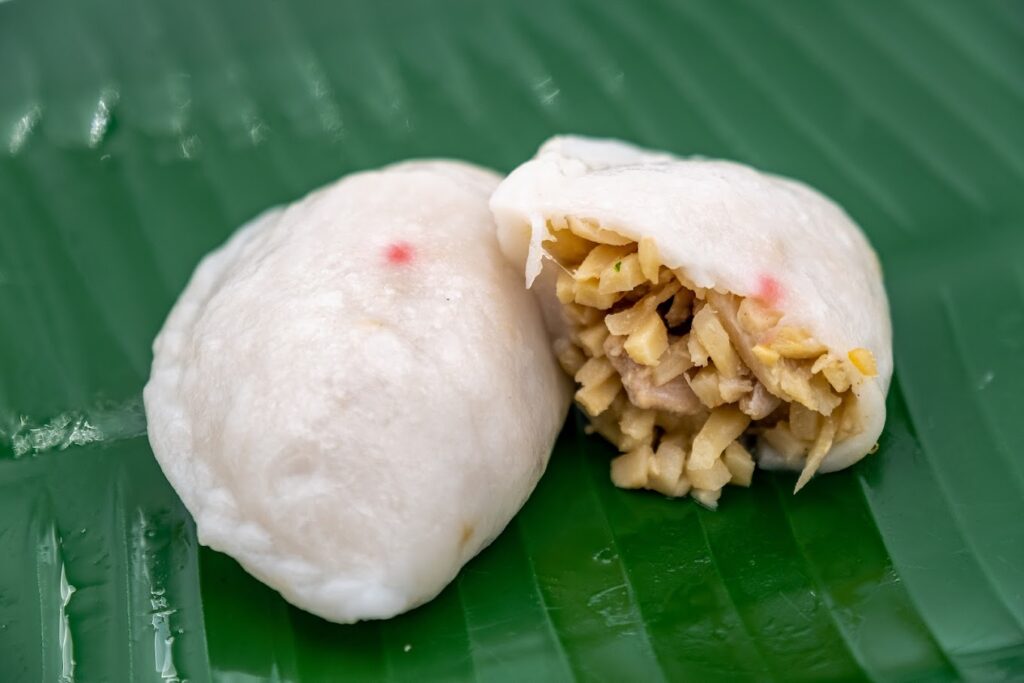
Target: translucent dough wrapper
[(355, 394), (588, 219)]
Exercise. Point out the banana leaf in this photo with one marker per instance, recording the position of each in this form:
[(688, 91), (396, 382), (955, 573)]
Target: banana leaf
[(136, 135)]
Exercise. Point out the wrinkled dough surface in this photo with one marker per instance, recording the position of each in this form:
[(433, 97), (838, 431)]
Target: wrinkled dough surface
[(728, 227), (355, 394)]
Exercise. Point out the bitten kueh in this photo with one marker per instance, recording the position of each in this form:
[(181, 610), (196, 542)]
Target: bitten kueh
[(713, 316)]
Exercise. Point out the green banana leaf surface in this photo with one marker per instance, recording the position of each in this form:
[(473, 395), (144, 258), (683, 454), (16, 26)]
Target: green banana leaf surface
[(135, 135)]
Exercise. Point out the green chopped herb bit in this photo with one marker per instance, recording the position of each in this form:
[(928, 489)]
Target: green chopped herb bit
[(618, 266)]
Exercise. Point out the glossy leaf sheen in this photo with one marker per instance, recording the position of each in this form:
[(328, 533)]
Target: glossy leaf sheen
[(137, 135)]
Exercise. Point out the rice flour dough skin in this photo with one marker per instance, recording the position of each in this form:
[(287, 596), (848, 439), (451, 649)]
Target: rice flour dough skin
[(729, 229), (355, 394)]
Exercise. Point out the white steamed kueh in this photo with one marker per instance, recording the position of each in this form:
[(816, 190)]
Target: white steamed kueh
[(355, 394), (727, 228)]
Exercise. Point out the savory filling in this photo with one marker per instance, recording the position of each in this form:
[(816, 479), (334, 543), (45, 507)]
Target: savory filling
[(683, 380)]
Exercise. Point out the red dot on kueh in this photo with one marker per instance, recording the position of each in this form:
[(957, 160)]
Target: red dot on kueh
[(399, 253), (768, 289)]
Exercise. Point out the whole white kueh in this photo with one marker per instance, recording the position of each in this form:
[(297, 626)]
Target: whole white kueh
[(727, 228), (355, 394)]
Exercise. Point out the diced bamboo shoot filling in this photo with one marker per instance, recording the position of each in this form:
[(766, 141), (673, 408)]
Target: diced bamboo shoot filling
[(683, 380)]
